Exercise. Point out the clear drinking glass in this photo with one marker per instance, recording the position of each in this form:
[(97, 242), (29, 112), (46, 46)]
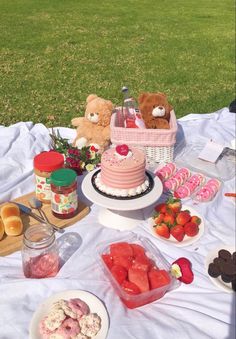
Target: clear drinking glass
[(40, 258)]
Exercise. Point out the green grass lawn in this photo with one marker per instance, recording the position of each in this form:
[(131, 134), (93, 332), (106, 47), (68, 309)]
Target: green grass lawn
[(56, 52)]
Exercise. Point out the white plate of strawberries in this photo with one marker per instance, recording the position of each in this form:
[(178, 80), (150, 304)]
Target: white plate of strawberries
[(175, 223)]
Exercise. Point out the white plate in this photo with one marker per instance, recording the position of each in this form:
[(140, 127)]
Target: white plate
[(95, 305), (210, 257), (187, 240)]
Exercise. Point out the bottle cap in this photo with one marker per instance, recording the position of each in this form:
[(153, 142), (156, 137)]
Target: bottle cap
[(48, 161), (63, 177)]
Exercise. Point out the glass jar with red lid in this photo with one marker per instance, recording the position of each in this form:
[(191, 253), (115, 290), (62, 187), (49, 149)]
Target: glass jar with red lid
[(44, 164), (64, 199)]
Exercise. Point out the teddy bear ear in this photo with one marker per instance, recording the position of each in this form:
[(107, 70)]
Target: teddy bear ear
[(142, 97), (91, 97)]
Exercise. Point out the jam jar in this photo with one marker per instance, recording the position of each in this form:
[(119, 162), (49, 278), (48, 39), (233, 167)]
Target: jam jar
[(39, 252), (64, 198), (44, 164)]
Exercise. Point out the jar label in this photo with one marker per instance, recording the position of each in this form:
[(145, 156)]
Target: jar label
[(64, 203), (43, 189)]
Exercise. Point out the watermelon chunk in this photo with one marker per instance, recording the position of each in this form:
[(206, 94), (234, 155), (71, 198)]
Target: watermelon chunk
[(121, 249), (130, 287), (158, 278), (107, 260), (139, 278), (126, 262), (142, 262), (137, 249), (119, 273)]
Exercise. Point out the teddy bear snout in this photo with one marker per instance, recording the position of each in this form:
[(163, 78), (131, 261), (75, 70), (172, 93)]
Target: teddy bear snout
[(93, 117), (159, 111)]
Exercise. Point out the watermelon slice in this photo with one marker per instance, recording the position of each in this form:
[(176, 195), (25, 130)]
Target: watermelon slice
[(130, 287), (107, 260), (121, 249), (139, 278), (137, 249), (142, 262), (126, 262), (119, 273), (158, 278)]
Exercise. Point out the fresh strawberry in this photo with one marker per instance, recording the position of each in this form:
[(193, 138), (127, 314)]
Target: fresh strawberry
[(182, 270), (161, 208), (177, 232), (191, 229), (158, 218), (183, 217), (162, 230), (174, 204), (196, 220), (169, 219)]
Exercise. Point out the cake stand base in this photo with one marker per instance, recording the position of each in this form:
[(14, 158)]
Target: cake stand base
[(121, 220), (121, 214)]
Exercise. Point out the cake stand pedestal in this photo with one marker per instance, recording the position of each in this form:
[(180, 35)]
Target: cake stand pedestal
[(120, 213)]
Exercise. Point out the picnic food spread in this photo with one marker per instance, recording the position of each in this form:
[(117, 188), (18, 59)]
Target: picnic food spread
[(137, 270)]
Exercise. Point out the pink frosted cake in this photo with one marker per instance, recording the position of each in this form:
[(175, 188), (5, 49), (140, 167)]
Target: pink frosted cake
[(122, 172)]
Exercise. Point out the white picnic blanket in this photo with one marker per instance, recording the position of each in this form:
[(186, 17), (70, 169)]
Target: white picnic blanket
[(200, 310)]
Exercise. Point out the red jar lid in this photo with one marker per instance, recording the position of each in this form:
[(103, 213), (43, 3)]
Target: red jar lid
[(48, 161)]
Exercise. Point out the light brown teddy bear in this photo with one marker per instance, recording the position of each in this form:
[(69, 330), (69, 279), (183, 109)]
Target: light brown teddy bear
[(155, 110), (94, 127)]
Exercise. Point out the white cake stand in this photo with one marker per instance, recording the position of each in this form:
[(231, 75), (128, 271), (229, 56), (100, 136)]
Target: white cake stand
[(120, 213)]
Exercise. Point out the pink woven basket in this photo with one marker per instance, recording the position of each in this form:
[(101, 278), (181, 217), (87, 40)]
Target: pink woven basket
[(157, 143)]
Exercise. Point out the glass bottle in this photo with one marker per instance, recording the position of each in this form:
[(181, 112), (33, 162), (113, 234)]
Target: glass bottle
[(40, 256), (130, 110)]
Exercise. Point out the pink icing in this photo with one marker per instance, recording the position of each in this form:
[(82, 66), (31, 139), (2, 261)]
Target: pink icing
[(123, 173)]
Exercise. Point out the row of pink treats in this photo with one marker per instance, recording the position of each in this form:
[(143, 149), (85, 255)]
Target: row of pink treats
[(208, 191), (183, 184)]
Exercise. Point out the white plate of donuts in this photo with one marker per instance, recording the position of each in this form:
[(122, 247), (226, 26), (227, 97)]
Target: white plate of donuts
[(70, 314)]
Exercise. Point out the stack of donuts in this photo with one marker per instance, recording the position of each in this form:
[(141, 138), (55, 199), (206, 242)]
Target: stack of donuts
[(184, 184), (10, 221)]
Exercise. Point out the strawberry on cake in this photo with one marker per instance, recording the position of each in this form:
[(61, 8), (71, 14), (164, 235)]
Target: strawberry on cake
[(122, 172)]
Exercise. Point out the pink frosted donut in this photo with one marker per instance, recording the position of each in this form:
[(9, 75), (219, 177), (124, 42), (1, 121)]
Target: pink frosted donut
[(179, 177), (214, 182), (69, 329), (182, 192), (170, 184), (79, 307), (171, 166), (186, 172), (191, 185), (205, 194), (43, 330)]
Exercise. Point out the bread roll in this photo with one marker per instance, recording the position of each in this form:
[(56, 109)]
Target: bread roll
[(1, 229), (8, 210), (13, 225)]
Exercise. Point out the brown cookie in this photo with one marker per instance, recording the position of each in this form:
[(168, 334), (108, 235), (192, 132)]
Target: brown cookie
[(224, 254), (218, 261), (214, 270), (228, 268), (226, 278), (234, 257)]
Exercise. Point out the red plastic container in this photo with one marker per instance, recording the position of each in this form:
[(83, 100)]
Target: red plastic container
[(130, 300)]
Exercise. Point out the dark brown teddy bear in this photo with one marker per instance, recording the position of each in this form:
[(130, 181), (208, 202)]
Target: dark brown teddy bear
[(155, 110)]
